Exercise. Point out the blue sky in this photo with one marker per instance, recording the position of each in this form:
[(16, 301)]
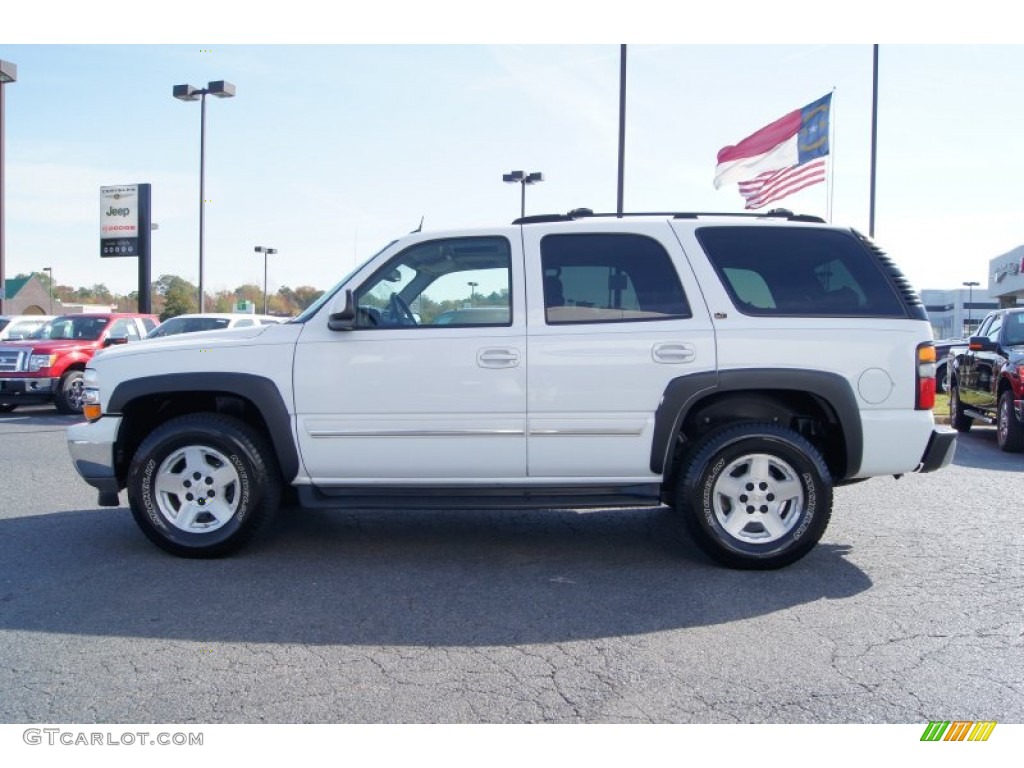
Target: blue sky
[(331, 150)]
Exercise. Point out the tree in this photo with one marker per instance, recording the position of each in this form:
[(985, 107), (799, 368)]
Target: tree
[(179, 299)]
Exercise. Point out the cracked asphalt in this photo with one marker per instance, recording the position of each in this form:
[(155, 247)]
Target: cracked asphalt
[(909, 610)]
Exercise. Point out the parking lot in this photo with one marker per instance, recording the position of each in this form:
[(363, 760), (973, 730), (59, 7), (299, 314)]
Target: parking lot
[(909, 610)]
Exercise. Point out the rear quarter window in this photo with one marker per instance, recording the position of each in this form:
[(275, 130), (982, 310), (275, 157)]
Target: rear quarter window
[(799, 271)]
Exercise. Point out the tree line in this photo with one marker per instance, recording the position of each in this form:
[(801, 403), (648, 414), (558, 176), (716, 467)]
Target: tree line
[(172, 295)]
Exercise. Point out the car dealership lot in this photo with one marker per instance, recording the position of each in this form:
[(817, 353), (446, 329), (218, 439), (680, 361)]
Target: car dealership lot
[(910, 610)]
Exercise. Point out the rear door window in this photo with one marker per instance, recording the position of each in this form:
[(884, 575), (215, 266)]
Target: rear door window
[(602, 278), (799, 271)]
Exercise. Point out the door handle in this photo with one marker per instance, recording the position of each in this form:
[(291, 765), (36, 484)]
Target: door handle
[(673, 352), (500, 357)]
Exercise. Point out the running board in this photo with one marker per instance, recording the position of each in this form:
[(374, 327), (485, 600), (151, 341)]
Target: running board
[(979, 416), (476, 498)]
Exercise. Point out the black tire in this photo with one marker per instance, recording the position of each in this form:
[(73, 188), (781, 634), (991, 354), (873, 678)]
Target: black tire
[(940, 378), (7, 408), (68, 397), (959, 420), (773, 479), (1009, 432), (238, 478)]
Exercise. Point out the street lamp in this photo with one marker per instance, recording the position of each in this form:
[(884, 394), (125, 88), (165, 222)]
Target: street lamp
[(265, 252), (472, 292), (50, 270), (222, 89), (518, 177), (970, 300), (8, 74)]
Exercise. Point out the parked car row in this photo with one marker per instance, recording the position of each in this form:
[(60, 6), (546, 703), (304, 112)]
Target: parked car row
[(43, 359)]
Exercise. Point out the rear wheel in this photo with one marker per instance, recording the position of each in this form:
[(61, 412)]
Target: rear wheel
[(1009, 432), (203, 485), (755, 496)]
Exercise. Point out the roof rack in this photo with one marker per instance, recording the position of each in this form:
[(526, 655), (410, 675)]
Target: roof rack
[(582, 213)]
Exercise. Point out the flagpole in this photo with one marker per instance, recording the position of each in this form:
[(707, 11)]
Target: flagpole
[(830, 168), (622, 125), (874, 140)]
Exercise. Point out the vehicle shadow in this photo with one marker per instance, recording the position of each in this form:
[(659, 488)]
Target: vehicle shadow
[(978, 449), (410, 577)]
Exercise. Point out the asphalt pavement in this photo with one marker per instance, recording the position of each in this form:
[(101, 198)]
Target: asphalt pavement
[(909, 610)]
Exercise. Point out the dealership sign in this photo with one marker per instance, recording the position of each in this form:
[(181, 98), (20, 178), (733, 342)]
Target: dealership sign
[(119, 220)]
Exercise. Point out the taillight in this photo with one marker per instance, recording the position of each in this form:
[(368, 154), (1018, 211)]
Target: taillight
[(925, 377)]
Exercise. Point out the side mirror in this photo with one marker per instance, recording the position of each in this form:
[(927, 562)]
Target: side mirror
[(344, 316), (113, 340), (981, 344)]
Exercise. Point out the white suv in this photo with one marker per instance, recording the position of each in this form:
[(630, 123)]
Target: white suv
[(736, 367)]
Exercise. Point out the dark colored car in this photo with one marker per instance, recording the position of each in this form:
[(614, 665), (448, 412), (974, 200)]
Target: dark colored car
[(943, 349), (985, 382)]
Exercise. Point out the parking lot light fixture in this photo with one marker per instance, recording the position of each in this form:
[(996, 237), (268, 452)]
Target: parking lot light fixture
[(8, 74), (222, 89), (49, 270), (265, 251), (521, 178)]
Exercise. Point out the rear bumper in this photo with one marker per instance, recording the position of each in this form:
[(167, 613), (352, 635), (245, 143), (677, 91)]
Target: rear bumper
[(939, 451)]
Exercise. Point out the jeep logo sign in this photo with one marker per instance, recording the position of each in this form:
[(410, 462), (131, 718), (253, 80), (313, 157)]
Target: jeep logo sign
[(119, 220)]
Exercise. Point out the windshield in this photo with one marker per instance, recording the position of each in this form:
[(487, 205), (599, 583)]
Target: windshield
[(78, 327), (313, 308)]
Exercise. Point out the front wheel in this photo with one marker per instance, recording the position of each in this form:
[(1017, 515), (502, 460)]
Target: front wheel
[(203, 485), (755, 496), (70, 392), (1009, 432), (959, 420)]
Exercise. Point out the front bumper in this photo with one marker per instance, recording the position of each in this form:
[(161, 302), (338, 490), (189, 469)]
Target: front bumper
[(25, 390), (92, 450), (939, 451)]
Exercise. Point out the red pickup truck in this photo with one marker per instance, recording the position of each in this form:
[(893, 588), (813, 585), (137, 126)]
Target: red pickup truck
[(48, 365)]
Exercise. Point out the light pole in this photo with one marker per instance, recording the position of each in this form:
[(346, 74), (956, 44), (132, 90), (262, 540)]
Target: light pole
[(265, 252), (8, 74), (472, 292), (518, 177), (222, 89), (970, 300), (50, 270)]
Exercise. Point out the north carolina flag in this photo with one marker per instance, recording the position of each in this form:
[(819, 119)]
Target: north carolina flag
[(792, 140)]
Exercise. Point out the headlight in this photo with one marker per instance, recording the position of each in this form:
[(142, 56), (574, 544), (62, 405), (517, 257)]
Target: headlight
[(91, 408), (35, 362)]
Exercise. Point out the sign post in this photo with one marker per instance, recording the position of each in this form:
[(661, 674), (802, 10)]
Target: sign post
[(126, 229)]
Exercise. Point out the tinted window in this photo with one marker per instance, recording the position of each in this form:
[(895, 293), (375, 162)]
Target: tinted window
[(799, 271), (600, 278), (1014, 328)]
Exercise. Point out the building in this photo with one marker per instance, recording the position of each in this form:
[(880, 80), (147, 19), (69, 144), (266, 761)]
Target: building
[(954, 314), (1006, 277), (27, 296)]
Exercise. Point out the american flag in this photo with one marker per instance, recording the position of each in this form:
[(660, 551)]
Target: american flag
[(774, 185)]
